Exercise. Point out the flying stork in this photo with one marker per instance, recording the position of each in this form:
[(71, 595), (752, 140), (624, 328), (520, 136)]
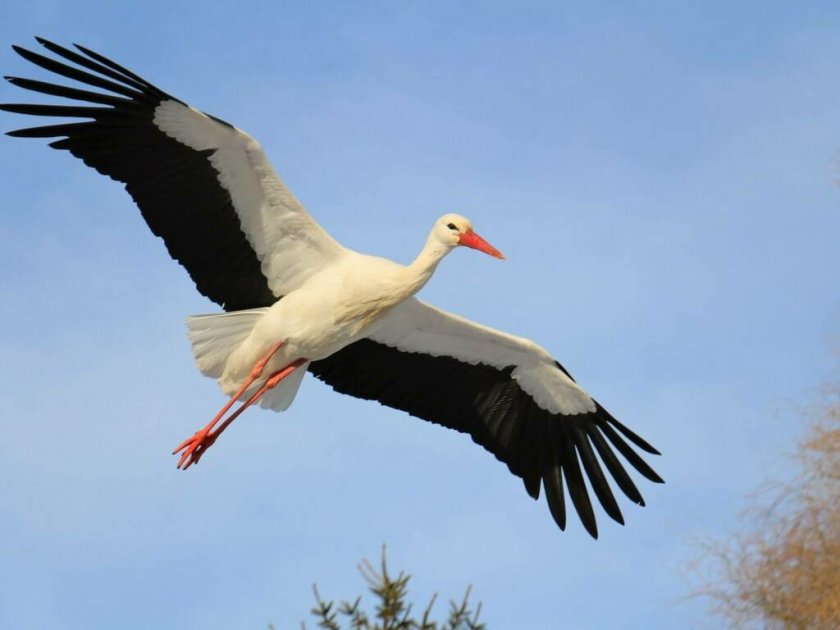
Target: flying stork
[(295, 300)]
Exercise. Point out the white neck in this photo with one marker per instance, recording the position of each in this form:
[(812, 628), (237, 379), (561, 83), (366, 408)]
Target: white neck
[(422, 268)]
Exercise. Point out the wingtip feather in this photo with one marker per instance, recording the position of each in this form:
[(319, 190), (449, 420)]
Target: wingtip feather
[(631, 435), (532, 487)]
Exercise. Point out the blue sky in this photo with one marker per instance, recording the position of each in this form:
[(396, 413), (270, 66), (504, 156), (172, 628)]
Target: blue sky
[(662, 177)]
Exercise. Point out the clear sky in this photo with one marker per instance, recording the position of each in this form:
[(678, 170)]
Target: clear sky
[(662, 177)]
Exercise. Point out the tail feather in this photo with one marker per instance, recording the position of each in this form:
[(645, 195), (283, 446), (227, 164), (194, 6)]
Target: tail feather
[(282, 396), (215, 337)]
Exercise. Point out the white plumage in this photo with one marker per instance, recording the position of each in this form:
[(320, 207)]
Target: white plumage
[(347, 298), (415, 326), (298, 301)]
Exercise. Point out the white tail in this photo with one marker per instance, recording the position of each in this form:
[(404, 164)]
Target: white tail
[(215, 337)]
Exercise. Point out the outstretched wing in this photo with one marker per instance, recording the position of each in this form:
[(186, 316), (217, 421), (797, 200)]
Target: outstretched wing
[(208, 190), (506, 392), (202, 185)]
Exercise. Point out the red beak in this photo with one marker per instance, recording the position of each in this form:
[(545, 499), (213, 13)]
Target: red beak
[(471, 239)]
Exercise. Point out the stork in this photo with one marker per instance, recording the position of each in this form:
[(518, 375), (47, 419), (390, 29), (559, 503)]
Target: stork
[(297, 301)]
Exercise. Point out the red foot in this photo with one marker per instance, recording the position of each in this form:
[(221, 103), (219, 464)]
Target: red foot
[(194, 447)]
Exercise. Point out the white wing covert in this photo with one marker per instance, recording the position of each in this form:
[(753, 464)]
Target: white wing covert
[(288, 242), (415, 326)]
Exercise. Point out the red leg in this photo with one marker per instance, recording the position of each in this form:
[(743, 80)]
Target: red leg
[(256, 372), (197, 445)]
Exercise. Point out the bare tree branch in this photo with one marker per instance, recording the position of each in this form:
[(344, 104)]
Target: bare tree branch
[(784, 572)]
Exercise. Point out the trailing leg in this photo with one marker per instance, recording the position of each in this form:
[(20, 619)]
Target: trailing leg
[(195, 445)]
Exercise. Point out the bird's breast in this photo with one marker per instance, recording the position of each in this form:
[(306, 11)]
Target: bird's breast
[(320, 318)]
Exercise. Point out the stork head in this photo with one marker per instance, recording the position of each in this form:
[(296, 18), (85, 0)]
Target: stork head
[(454, 230)]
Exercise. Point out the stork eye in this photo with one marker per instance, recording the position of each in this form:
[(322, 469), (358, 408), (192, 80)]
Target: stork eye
[(452, 226)]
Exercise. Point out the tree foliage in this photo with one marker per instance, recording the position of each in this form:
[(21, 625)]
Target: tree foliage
[(785, 571), (392, 611)]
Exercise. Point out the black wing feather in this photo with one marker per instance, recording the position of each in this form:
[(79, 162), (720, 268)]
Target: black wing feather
[(176, 187), (595, 474), (553, 482), (124, 87), (487, 403)]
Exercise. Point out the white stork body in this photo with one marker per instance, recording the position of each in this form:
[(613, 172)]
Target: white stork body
[(348, 299), (340, 304), (298, 301)]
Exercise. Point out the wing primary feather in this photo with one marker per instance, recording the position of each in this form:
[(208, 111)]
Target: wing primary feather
[(74, 73), (574, 479), (614, 466), (48, 131), (67, 92), (532, 486), (553, 484), (65, 111), (630, 455), (123, 71), (630, 435), (596, 475), (103, 69)]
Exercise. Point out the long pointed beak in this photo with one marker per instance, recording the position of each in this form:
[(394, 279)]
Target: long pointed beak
[(473, 240)]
